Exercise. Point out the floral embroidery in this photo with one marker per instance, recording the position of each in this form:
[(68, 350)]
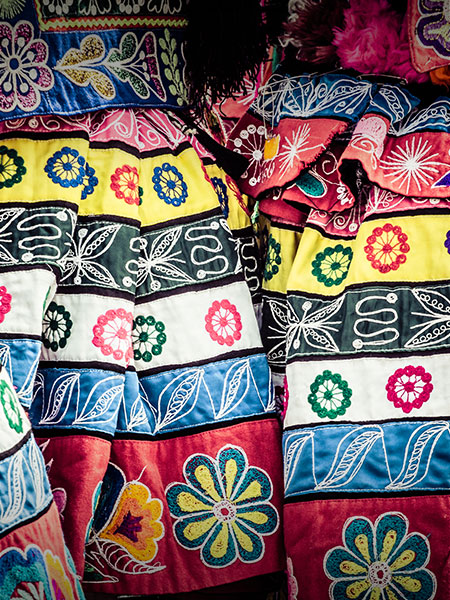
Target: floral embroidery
[(23, 70), (386, 248), (58, 7), (380, 560), (169, 184), (148, 338), (273, 258), (11, 8), (33, 575), (12, 167), (112, 334), (125, 184), (66, 167), (291, 580), (125, 529), (222, 194), (409, 388), (59, 582), (223, 323), (172, 71), (89, 181), (57, 326), (447, 242), (10, 407), (134, 62), (433, 26), (330, 395), (5, 302), (223, 509), (331, 266)]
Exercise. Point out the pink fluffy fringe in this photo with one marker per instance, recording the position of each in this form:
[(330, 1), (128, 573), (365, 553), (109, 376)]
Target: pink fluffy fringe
[(374, 40)]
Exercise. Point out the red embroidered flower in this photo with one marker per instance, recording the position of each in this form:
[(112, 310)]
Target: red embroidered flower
[(223, 323), (386, 248), (409, 388), (5, 303), (112, 334), (125, 183)]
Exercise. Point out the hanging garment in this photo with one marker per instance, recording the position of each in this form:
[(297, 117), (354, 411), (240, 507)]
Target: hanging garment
[(152, 396), (365, 332), (34, 561)]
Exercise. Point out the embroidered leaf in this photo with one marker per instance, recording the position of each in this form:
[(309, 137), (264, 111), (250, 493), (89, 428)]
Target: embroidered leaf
[(25, 393), (120, 560), (235, 387), (350, 455), (17, 489), (292, 456), (55, 407), (418, 454), (164, 242), (98, 241), (95, 407), (137, 415), (182, 394), (79, 66), (97, 273), (436, 327), (315, 327), (36, 468)]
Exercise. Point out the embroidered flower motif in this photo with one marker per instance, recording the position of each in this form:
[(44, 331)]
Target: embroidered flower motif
[(169, 184), (12, 167), (125, 184), (59, 582), (66, 167), (223, 509), (273, 258), (148, 337), (433, 26), (135, 520), (11, 8), (386, 248), (330, 395), (23, 70), (223, 323), (57, 326), (380, 560), (32, 574), (112, 334), (222, 194), (5, 302), (447, 242), (58, 7), (10, 407), (409, 388), (331, 266), (89, 181)]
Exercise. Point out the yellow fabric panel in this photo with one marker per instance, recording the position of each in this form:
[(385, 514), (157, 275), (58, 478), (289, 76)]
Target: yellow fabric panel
[(289, 241)]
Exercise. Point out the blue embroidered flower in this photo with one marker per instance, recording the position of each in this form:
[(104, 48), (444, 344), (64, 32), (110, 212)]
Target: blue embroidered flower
[(89, 181), (66, 167), (380, 560), (223, 509), (169, 184), (222, 194)]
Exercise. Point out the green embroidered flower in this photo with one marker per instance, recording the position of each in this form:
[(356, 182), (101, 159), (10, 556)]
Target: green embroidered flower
[(331, 266), (273, 258), (148, 338), (330, 395), (10, 407), (57, 326), (11, 167)]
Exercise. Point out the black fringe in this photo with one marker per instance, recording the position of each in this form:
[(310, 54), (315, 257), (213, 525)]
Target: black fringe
[(225, 40)]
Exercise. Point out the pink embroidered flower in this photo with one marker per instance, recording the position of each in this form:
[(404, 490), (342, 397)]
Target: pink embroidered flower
[(386, 248), (409, 388), (112, 334), (125, 184), (291, 580), (23, 70), (223, 323), (5, 303)]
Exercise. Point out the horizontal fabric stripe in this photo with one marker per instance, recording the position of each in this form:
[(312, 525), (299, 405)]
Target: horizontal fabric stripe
[(367, 389), (385, 457)]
